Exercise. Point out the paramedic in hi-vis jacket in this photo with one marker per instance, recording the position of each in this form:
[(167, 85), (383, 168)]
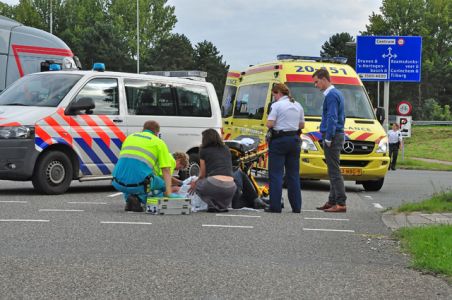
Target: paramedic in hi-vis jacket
[(143, 157)]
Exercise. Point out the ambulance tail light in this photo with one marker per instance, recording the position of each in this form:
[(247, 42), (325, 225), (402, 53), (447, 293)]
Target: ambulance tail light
[(307, 144)]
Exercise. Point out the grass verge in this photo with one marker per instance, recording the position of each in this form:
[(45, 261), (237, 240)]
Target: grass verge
[(438, 203), (430, 247), (433, 142), (413, 164)]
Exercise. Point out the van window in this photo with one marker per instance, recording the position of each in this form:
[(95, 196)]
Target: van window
[(193, 101), (356, 103), (227, 104), (149, 98), (250, 102), (104, 92), (39, 90)]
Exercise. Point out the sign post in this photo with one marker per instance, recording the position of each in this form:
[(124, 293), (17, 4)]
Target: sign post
[(388, 58)]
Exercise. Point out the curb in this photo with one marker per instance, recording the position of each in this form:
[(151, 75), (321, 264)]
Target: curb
[(396, 221)]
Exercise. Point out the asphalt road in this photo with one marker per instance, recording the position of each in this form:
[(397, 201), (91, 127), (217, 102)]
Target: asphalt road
[(72, 246)]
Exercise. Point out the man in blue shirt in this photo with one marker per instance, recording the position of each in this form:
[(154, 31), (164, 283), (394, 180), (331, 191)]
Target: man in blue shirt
[(332, 129)]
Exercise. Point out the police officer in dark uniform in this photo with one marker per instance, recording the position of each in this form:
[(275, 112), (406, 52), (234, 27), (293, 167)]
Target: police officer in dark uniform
[(285, 122)]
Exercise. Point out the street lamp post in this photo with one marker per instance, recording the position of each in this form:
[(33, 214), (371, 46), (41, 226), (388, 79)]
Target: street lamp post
[(138, 37), (51, 17)]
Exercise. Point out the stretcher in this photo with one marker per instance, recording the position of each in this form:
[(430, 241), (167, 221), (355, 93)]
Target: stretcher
[(246, 155)]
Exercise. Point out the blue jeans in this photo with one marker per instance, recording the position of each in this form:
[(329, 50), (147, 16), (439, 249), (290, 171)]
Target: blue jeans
[(284, 153)]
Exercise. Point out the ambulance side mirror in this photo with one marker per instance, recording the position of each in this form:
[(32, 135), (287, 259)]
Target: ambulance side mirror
[(85, 103), (380, 114)]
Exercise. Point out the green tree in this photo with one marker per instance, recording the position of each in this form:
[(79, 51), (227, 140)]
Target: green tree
[(431, 20), (170, 54), (337, 46), (157, 19), (207, 58), (6, 10)]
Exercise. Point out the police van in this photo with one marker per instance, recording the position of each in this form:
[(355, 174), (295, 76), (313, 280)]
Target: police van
[(65, 125), (364, 157)]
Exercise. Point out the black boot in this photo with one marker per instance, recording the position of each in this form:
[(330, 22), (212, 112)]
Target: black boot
[(134, 203)]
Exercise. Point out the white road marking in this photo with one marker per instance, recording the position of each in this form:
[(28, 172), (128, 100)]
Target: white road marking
[(12, 201), (22, 220), (240, 216), (128, 223), (331, 230), (99, 203), (368, 197), (327, 219), (226, 226), (378, 205), (114, 195), (62, 210)]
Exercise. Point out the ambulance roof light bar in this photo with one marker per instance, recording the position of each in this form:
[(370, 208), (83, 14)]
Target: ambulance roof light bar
[(337, 59), (193, 74)]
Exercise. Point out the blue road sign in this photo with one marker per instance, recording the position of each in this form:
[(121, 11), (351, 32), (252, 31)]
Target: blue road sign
[(389, 58)]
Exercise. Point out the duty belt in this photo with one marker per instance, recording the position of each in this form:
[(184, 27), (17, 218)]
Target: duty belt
[(143, 183)]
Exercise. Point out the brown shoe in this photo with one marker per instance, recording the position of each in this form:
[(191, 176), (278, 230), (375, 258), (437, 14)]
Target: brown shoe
[(325, 206), (337, 209)]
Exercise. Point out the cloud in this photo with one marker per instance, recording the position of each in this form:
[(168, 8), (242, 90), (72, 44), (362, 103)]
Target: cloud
[(254, 31)]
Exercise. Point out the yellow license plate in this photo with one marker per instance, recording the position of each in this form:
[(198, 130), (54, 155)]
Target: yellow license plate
[(352, 171)]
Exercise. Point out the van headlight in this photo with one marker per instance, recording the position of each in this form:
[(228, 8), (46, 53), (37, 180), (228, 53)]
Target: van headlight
[(383, 145), (17, 132), (307, 143)]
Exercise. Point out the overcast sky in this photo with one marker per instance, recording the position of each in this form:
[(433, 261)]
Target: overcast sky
[(254, 31)]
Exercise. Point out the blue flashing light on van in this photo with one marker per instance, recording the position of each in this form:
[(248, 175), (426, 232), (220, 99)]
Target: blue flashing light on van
[(100, 67)]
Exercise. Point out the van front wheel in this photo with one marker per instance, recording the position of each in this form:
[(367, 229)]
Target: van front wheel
[(53, 173), (373, 185)]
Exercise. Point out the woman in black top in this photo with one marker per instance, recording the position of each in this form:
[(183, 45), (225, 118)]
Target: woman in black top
[(215, 184)]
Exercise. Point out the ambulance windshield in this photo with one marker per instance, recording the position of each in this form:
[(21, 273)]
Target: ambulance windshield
[(357, 105), (39, 90)]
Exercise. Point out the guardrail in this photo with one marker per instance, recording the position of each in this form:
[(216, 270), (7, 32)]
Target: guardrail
[(423, 123)]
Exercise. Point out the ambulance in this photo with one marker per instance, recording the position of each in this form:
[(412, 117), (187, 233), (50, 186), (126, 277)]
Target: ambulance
[(64, 125), (227, 103), (25, 50), (364, 156)]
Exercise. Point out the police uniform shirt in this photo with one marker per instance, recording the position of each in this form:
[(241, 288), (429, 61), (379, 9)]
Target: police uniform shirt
[(394, 137), (286, 114)]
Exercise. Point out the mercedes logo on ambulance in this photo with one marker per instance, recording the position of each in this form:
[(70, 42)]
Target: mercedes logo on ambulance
[(348, 147)]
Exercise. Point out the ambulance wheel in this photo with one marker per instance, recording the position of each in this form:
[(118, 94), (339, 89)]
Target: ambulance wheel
[(374, 185), (53, 173)]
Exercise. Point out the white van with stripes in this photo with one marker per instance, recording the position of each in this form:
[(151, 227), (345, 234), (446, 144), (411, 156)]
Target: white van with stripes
[(56, 127)]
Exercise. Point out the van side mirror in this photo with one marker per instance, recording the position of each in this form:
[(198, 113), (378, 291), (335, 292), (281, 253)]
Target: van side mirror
[(380, 114), (85, 103)]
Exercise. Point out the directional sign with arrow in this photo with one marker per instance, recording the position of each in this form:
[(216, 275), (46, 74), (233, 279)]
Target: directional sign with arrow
[(389, 58)]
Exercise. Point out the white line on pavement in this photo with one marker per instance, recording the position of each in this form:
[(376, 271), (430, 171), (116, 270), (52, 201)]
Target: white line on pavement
[(332, 230), (378, 205), (226, 226), (368, 197), (114, 195), (12, 201), (327, 219), (63, 210), (99, 203), (22, 220), (240, 216), (129, 223)]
